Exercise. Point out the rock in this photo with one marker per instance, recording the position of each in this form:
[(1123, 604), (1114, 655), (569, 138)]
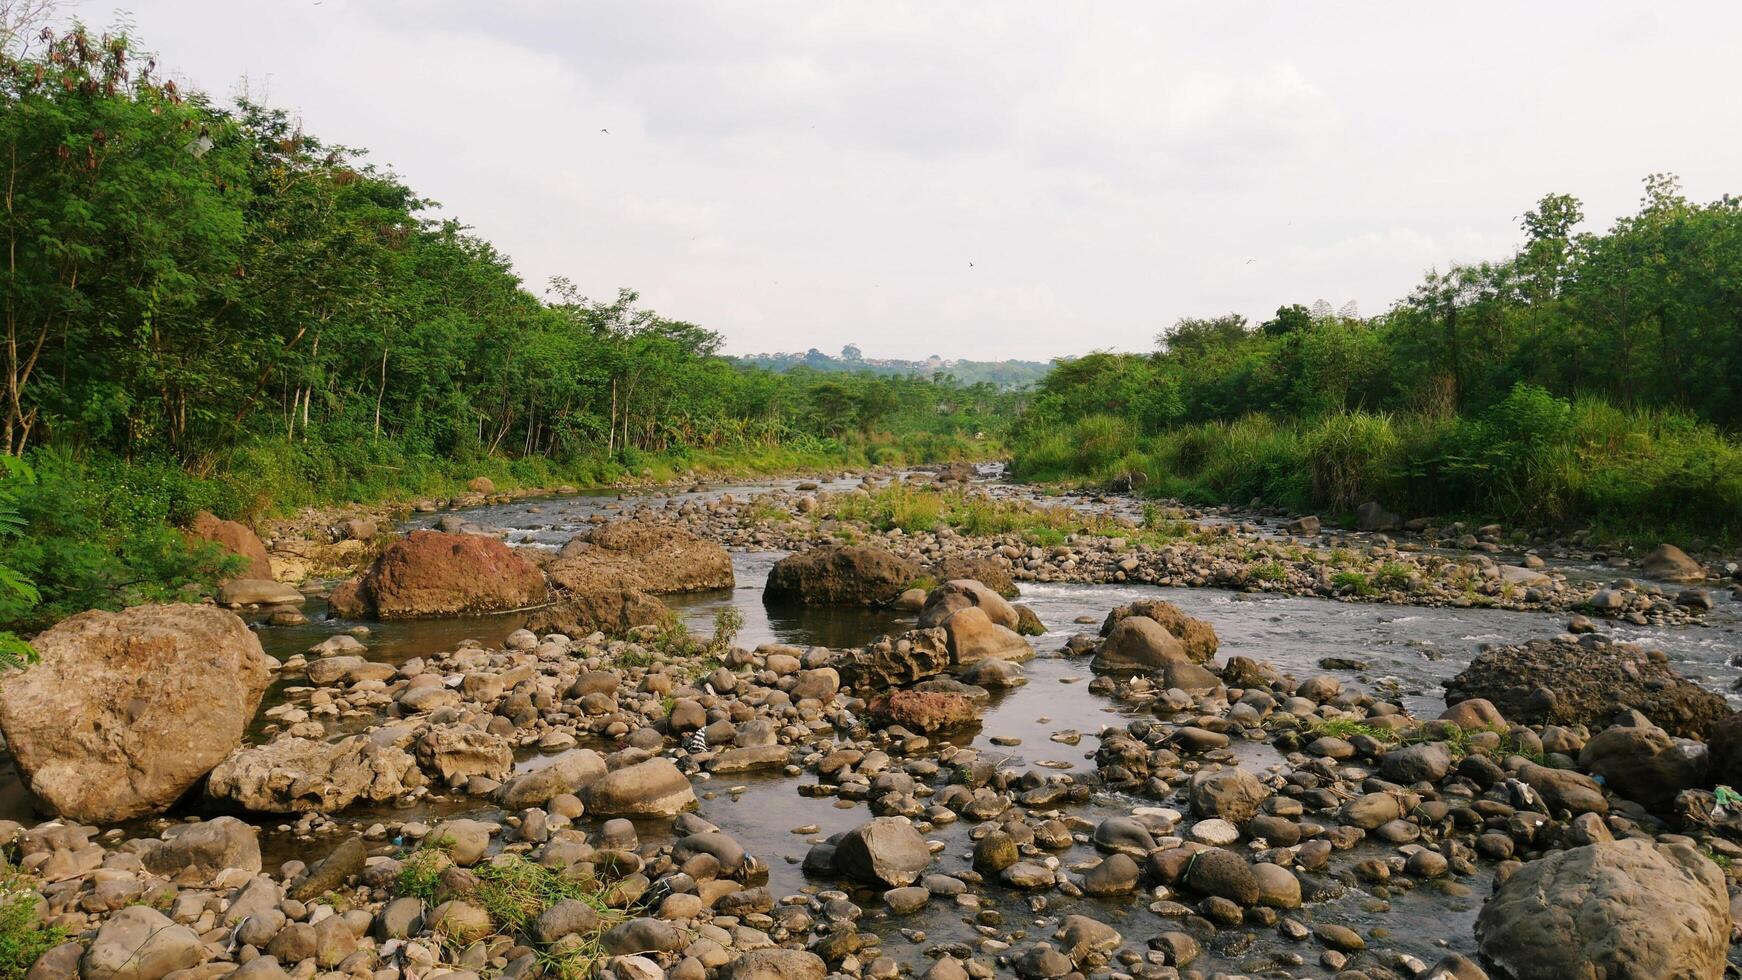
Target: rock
[(1196, 636), (1278, 887), (432, 574), (640, 556), (330, 873), (1115, 875), (1474, 714), (912, 600), (1555, 682), (851, 575), (896, 661), (58, 963), (922, 711), (906, 901), (571, 772), (1671, 564), (952, 597), (291, 775), (973, 637), (1642, 764), (1123, 835), (455, 753), (1563, 789), (1214, 871), (642, 936), (651, 788), (460, 923), (1372, 517), (993, 573), (1028, 622), (1230, 793), (239, 592), (1137, 645), (1307, 525), (993, 675), (140, 943), (775, 964), (207, 847), (1724, 751), (236, 539), (1042, 962), (1424, 762), (1627, 908), (128, 710), (819, 684), (1087, 941), (884, 851), (481, 484), (566, 918), (611, 611)]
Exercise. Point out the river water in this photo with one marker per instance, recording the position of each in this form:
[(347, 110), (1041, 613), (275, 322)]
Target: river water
[(1406, 651)]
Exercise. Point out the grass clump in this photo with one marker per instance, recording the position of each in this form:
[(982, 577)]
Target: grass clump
[(23, 937)]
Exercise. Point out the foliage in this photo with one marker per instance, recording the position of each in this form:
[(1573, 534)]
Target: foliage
[(23, 938), (1589, 378)]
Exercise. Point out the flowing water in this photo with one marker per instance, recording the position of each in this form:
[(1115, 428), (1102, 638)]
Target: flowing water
[(1405, 651)]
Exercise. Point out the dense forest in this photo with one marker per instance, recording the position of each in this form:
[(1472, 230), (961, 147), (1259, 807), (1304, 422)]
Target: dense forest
[(210, 307), (1593, 378)]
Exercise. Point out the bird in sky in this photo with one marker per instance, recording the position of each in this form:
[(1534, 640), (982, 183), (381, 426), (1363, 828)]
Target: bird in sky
[(970, 265), (1250, 261), (607, 132)]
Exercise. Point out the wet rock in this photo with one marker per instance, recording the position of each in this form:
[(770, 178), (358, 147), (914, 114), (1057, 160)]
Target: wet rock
[(884, 851), (140, 943), (923, 712), (851, 575), (1230, 793), (1565, 683), (995, 675), (1563, 789), (1219, 872), (1423, 762), (651, 788), (1626, 908), (1042, 962), (207, 847), (432, 574), (1137, 645), (1115, 875), (571, 772), (240, 592), (128, 710), (291, 775), (1196, 636)]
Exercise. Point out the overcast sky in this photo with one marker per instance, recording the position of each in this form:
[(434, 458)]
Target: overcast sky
[(987, 180)]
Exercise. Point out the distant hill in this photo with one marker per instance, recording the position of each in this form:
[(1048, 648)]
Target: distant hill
[(1004, 374)]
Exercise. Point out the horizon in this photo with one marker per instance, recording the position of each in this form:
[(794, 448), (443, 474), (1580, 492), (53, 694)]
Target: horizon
[(834, 185)]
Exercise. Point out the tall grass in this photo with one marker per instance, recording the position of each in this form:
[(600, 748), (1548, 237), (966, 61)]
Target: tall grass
[(1632, 476)]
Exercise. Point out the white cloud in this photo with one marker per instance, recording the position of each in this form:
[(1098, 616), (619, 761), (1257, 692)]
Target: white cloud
[(800, 173)]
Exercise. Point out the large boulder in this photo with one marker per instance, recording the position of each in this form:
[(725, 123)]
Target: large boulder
[(974, 637), (642, 556), (895, 661), (291, 775), (850, 575), (1626, 908), (1196, 636), (456, 753), (430, 574), (654, 788), (883, 851), (207, 847), (1643, 764), (570, 772), (775, 963), (140, 943), (1564, 682), (613, 611), (128, 710), (951, 597), (234, 538), (1138, 645), (1233, 794), (1671, 564)]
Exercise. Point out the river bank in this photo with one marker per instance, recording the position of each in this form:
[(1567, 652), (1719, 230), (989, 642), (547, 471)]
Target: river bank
[(1045, 772)]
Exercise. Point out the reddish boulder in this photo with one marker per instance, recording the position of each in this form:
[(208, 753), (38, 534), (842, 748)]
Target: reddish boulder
[(429, 574), (235, 538), (923, 711)]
